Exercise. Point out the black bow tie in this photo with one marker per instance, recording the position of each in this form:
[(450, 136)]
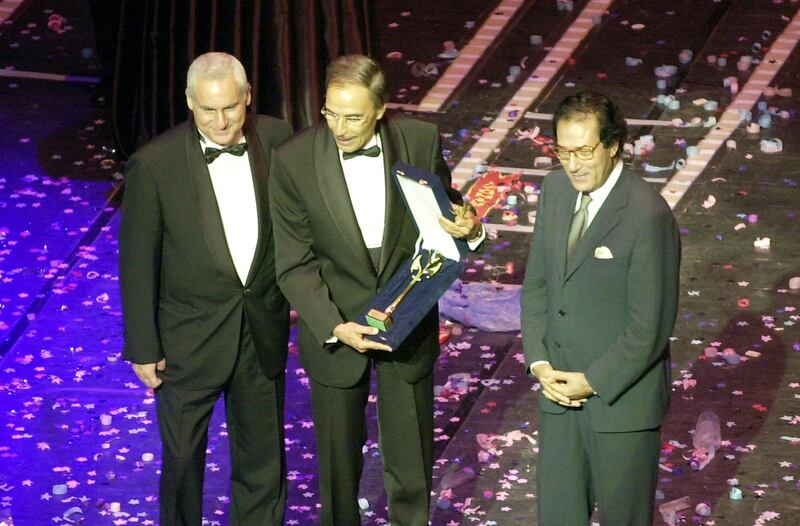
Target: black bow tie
[(372, 151), (212, 153)]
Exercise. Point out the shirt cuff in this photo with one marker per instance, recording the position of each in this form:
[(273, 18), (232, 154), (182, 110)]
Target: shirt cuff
[(475, 243), (534, 364)]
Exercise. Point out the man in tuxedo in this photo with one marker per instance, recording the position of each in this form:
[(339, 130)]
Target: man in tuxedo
[(341, 231), (598, 308), (203, 313)]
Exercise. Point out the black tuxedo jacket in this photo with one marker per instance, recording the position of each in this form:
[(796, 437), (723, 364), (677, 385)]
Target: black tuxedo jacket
[(182, 298), (324, 267)]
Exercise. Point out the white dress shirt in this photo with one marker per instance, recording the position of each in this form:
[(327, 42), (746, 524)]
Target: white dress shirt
[(366, 184), (236, 198)]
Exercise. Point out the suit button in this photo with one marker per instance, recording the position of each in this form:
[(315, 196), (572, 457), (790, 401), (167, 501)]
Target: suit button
[(561, 313), (247, 291)]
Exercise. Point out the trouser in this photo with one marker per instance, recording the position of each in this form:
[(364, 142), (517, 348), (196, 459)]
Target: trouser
[(579, 467), (405, 422), (254, 415)]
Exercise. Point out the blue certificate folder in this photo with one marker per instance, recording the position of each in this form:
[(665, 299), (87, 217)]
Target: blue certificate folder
[(425, 293)]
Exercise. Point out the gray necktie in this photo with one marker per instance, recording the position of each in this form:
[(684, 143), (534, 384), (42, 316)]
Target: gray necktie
[(578, 225)]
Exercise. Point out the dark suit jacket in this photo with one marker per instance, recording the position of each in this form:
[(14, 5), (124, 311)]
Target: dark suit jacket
[(181, 296), (324, 267), (608, 318)]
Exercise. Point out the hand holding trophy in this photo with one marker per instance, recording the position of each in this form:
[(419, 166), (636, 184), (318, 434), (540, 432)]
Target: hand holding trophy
[(409, 296), (382, 320)]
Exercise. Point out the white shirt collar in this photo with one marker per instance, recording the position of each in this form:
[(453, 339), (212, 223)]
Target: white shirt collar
[(601, 193)]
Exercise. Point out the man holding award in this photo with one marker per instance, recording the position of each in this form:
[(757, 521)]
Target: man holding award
[(342, 230)]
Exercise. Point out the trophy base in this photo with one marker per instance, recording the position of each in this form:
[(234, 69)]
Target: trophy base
[(379, 319)]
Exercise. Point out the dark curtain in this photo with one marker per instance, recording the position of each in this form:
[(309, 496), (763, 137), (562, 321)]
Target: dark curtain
[(284, 46)]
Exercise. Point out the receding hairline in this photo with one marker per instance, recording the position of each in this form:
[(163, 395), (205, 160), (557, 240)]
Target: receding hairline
[(580, 115), (358, 70)]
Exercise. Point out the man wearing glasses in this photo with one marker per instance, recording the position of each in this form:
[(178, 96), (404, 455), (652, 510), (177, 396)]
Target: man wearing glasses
[(598, 307), (341, 231)]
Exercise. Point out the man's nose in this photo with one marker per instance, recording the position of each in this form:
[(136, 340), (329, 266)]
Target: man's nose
[(339, 127), (220, 120), (573, 162)]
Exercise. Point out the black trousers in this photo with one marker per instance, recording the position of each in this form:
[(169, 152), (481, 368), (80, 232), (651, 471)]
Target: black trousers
[(405, 422), (254, 415)]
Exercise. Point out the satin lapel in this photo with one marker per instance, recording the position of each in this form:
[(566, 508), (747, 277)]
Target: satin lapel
[(394, 149), (258, 170), (328, 171), (606, 219), (208, 210)]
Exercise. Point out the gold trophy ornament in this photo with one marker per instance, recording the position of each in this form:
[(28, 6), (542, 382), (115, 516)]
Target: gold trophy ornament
[(382, 320)]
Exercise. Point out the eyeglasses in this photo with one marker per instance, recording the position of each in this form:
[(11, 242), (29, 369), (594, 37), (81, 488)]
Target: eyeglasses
[(584, 153), (351, 121)]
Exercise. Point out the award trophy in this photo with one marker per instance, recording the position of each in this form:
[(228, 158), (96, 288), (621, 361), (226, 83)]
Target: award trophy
[(382, 320)]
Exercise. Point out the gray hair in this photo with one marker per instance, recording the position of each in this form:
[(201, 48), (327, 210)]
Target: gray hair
[(215, 66)]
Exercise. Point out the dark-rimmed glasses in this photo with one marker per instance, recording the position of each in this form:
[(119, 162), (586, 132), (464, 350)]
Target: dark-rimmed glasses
[(584, 153)]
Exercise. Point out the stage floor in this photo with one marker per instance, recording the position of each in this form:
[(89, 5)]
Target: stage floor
[(61, 369)]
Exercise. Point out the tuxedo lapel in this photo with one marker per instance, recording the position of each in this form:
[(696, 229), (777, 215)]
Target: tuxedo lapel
[(258, 170), (207, 208), (328, 170), (394, 149), (606, 219)]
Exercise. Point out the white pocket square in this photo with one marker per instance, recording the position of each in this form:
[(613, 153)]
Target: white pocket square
[(603, 253)]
